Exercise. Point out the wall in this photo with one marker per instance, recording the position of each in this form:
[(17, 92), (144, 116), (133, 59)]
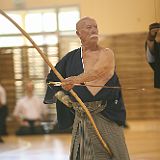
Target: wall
[(113, 16), (122, 16)]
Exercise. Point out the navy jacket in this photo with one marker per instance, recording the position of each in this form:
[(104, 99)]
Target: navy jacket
[(71, 65), (156, 65)]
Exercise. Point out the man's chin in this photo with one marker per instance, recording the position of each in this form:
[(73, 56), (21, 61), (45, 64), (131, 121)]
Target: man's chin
[(94, 39)]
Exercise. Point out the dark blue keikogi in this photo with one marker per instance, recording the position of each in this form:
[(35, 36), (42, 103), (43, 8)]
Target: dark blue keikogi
[(71, 65)]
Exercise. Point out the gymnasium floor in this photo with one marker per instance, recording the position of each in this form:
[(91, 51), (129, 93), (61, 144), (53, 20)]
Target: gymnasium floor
[(142, 137)]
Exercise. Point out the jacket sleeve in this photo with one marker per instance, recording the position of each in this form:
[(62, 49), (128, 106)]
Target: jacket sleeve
[(51, 90), (64, 115)]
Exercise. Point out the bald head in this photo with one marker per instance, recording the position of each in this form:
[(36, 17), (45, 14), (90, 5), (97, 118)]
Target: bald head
[(82, 22)]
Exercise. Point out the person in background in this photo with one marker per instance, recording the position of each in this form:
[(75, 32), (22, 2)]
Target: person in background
[(3, 112), (94, 67), (152, 50), (29, 112)]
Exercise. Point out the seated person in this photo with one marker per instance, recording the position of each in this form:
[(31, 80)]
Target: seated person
[(3, 111), (29, 111)]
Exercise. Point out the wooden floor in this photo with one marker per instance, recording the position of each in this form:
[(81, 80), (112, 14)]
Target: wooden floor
[(143, 140)]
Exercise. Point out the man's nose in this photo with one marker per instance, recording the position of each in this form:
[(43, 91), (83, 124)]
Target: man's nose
[(94, 30)]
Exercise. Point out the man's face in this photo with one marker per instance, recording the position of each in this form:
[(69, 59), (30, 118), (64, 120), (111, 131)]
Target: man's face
[(29, 88), (87, 31)]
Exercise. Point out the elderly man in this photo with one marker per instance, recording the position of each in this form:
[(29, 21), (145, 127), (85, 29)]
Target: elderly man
[(94, 67), (153, 51)]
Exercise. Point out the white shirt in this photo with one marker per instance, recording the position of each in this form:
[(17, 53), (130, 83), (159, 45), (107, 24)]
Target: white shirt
[(31, 108), (3, 99), (82, 57), (150, 57)]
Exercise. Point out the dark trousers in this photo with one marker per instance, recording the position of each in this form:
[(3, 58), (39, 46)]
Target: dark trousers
[(31, 129), (3, 117)]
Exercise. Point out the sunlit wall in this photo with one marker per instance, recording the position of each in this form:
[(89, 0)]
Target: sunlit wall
[(113, 16)]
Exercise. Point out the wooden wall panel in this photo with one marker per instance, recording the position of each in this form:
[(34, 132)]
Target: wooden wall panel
[(134, 72), (7, 76)]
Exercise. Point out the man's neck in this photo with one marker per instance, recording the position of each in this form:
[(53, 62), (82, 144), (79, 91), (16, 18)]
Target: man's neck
[(29, 95), (90, 47)]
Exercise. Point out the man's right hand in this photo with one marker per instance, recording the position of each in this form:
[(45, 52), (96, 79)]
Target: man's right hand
[(153, 29), (24, 123), (68, 83), (154, 26)]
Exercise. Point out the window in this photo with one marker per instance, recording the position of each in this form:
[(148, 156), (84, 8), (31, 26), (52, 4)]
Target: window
[(53, 30), (68, 18), (44, 26), (8, 27), (41, 22)]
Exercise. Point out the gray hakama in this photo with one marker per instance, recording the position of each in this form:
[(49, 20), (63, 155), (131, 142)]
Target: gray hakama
[(85, 143)]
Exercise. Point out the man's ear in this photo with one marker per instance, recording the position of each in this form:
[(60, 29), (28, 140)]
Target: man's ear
[(77, 33)]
